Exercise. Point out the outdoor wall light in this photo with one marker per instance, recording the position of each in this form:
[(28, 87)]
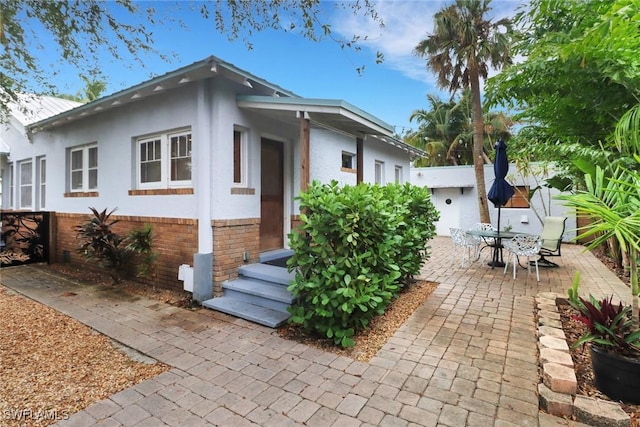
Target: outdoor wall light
[(524, 219)]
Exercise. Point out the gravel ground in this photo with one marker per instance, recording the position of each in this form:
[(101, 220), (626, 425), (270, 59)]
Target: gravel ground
[(52, 366), (381, 328)]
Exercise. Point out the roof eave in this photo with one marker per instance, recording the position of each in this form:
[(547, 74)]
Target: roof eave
[(197, 70)]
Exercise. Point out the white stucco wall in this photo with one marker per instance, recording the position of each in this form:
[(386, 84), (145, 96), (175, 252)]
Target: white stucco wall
[(454, 195), (326, 154), (114, 132)]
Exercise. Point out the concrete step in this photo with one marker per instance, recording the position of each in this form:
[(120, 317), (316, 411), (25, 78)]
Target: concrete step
[(267, 273), (258, 292), (245, 310), (275, 254)]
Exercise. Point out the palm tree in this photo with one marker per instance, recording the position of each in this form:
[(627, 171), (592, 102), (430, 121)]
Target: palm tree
[(462, 47), (441, 131)]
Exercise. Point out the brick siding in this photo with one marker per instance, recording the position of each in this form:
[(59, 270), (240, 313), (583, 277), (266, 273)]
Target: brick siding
[(175, 239), (231, 238)]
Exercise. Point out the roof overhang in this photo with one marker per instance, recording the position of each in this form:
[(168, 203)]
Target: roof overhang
[(201, 70), (327, 113)]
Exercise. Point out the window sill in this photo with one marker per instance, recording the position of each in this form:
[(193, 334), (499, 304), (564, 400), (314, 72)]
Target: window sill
[(82, 194), (349, 170), (161, 192), (243, 190)]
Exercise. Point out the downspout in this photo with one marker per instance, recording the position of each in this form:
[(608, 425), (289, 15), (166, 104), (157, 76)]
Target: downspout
[(201, 156)]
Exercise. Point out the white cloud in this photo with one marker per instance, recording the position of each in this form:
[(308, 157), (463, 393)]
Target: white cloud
[(406, 24)]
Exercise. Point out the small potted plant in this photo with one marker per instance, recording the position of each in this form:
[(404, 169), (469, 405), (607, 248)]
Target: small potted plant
[(614, 344)]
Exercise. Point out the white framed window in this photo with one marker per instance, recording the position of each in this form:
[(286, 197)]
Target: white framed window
[(398, 174), (348, 160), (164, 160), (42, 183), (83, 168), (240, 160), (25, 184), (379, 172), (11, 185)]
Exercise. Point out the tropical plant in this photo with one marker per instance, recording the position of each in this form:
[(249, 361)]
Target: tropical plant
[(141, 242), (99, 243), (612, 201), (442, 131), (579, 74), (608, 325), (460, 51)]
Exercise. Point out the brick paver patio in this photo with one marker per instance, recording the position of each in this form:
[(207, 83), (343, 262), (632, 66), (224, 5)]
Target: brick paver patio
[(467, 356)]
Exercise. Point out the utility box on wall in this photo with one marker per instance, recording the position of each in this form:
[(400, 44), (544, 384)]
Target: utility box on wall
[(185, 273)]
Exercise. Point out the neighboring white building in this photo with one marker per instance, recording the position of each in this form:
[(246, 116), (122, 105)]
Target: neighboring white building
[(13, 133), (454, 194)]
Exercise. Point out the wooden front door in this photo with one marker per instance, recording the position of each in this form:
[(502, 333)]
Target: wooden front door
[(271, 199)]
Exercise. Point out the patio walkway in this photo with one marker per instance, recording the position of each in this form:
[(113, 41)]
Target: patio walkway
[(467, 356)]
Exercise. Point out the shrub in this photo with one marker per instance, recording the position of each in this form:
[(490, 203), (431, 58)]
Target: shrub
[(355, 248), (141, 242), (101, 244)]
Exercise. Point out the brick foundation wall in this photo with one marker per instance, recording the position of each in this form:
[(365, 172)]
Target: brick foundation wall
[(231, 238), (175, 239)]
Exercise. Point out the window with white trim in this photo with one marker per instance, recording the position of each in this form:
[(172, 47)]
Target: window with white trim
[(25, 184), (398, 173), (83, 168), (239, 157), (42, 183), (348, 160), (164, 160), (379, 172), (11, 185)]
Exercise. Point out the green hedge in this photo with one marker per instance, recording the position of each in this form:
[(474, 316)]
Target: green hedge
[(355, 249)]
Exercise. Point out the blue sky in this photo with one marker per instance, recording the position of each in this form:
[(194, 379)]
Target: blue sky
[(390, 91)]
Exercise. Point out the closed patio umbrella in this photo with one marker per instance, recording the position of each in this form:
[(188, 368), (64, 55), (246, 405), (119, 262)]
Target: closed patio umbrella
[(501, 191)]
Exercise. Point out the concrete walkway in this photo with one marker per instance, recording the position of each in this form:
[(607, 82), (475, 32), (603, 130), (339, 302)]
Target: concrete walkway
[(467, 356)]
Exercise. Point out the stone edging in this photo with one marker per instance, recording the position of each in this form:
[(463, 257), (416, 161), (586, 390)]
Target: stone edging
[(558, 386)]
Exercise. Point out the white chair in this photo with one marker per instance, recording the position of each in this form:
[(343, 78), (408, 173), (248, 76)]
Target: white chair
[(522, 245), (488, 241), (464, 241)]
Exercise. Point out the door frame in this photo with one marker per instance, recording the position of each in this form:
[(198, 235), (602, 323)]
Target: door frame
[(286, 183)]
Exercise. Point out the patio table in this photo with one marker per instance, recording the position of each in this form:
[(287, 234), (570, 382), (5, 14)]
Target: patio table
[(497, 236)]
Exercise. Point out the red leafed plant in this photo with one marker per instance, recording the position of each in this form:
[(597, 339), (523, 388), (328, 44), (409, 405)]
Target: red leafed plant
[(609, 325)]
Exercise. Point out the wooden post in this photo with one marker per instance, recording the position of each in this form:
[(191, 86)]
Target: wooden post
[(304, 151), (359, 159)]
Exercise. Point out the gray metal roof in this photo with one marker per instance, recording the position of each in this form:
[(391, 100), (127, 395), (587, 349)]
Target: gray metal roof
[(207, 68), (34, 108)]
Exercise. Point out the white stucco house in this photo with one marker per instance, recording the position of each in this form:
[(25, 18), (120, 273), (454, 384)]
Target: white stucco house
[(453, 190), (210, 155)]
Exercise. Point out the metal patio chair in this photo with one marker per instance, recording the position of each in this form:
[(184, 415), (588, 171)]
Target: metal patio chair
[(522, 245), (488, 241), (552, 231), (464, 241)]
